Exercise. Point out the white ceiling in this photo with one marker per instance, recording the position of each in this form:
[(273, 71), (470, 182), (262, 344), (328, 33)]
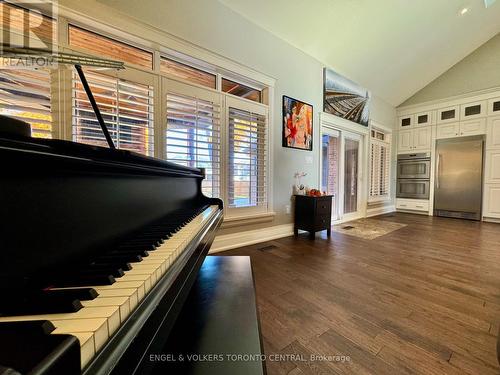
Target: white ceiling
[(392, 47)]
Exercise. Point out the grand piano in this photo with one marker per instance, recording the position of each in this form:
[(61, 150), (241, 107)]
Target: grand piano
[(99, 249)]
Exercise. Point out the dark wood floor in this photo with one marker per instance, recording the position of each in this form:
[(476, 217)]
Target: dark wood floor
[(424, 299)]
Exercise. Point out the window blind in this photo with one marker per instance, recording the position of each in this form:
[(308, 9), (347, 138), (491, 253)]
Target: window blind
[(127, 110), (247, 159), (25, 95), (193, 137), (380, 169)]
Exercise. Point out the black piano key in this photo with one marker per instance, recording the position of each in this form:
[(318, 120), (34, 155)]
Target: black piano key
[(83, 280), (139, 247), (34, 327), (132, 258), (82, 294), (104, 265), (128, 252), (115, 272), (40, 303)]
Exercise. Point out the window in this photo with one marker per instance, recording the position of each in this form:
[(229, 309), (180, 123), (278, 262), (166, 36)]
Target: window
[(193, 132), (237, 89), (25, 94), (246, 156), (127, 110), (188, 73), (103, 46), (380, 164)]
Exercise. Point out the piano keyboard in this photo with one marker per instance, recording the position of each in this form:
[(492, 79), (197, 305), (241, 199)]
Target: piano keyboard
[(100, 318)]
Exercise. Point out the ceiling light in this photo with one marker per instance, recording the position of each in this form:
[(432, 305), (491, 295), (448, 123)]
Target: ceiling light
[(464, 10)]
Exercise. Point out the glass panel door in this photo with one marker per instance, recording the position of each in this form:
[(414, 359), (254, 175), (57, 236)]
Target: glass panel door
[(351, 170), (330, 169)]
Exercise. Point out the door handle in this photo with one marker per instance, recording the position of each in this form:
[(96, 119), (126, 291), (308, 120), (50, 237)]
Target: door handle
[(438, 170)]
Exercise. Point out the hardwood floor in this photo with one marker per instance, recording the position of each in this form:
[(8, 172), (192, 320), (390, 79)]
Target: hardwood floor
[(424, 299)]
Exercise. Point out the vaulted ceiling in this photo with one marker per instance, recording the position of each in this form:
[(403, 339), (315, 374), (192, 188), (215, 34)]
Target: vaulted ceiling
[(392, 47)]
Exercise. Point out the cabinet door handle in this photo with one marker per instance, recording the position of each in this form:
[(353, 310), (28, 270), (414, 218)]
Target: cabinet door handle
[(402, 205), (419, 206)]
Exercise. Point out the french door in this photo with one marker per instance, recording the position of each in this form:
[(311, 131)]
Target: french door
[(341, 171)]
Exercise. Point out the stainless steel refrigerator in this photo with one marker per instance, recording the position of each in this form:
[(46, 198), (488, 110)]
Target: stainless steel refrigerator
[(458, 184)]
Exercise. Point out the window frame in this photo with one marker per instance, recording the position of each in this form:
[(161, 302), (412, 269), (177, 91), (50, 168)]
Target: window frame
[(261, 109), (388, 143)]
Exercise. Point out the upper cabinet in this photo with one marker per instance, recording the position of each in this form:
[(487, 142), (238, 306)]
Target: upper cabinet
[(406, 122), (494, 107), (419, 139), (425, 118), (473, 110), (449, 114)]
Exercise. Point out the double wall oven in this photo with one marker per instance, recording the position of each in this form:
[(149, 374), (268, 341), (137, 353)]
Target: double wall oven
[(414, 172)]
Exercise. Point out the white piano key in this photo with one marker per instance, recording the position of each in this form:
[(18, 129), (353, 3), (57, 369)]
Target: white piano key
[(98, 327), (87, 347)]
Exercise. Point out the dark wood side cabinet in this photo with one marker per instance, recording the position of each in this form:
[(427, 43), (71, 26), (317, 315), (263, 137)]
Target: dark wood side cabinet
[(313, 214)]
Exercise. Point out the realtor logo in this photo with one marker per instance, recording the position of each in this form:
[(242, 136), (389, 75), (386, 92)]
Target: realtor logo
[(28, 33)]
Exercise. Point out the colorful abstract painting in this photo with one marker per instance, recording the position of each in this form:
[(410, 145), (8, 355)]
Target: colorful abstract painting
[(345, 98), (297, 124)]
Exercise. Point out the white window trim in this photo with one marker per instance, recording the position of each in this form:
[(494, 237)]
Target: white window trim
[(388, 132)]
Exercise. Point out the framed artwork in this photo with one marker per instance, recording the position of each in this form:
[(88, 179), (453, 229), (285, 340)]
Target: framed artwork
[(345, 98), (297, 124)]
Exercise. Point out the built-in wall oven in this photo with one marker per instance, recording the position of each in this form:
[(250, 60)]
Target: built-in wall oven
[(414, 171)]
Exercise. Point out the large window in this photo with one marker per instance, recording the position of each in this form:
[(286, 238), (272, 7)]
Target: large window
[(103, 46), (380, 165), (246, 155), (193, 131), (127, 110), (238, 89), (188, 73), (25, 95)]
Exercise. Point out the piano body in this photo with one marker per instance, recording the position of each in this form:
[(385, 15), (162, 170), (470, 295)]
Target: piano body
[(99, 248)]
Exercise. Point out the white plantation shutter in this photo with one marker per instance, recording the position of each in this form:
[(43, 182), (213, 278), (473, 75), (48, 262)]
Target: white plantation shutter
[(247, 175), (193, 132), (379, 169), (25, 95), (127, 110)]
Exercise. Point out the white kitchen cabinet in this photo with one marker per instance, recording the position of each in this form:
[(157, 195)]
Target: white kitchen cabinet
[(448, 130), (461, 129), (473, 110), (406, 122), (418, 139), (448, 114), (473, 127), (412, 204), (493, 133), (494, 107), (425, 118), (422, 138), (492, 166), (491, 202), (405, 140)]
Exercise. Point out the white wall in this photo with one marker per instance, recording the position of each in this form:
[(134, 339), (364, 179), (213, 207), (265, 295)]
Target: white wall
[(211, 25), (478, 71)]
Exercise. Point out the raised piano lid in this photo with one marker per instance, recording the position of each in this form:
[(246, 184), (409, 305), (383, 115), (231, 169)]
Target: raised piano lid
[(63, 202)]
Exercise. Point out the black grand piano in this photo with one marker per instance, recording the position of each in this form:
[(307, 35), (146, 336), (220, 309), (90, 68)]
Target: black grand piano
[(99, 249)]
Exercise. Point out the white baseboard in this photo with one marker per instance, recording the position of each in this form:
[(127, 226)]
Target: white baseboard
[(380, 210), (231, 241)]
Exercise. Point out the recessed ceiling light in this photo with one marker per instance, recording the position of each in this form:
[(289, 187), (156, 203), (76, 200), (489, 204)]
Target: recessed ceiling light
[(464, 10)]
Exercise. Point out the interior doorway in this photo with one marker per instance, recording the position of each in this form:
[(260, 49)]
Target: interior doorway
[(341, 171)]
